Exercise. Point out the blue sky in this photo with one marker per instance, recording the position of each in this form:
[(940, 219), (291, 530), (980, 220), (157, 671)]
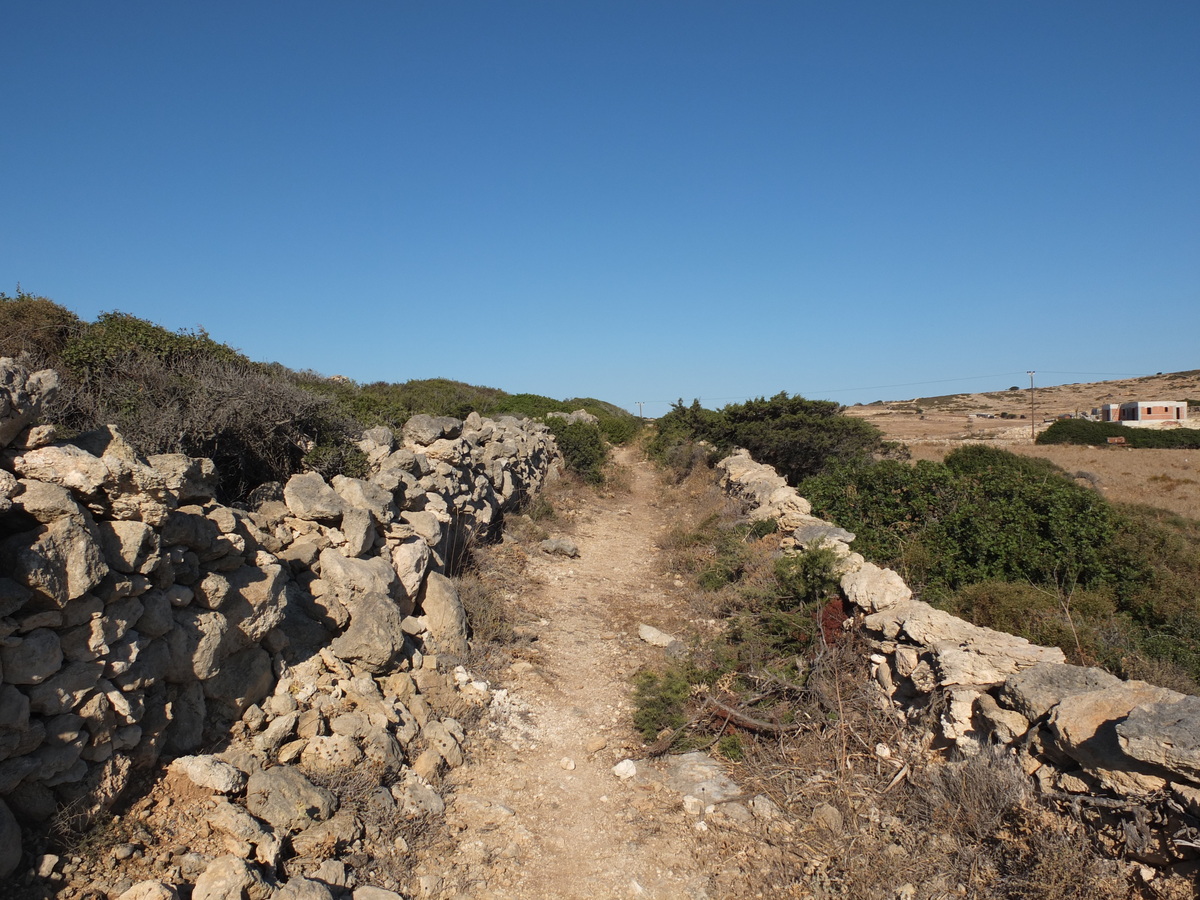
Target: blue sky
[(626, 200)]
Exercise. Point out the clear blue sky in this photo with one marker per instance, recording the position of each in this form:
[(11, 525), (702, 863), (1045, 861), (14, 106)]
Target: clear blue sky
[(627, 200)]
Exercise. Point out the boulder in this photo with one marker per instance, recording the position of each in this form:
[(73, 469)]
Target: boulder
[(375, 638), (255, 603), (359, 494), (195, 644), (560, 547), (410, 560), (1165, 734), (244, 678), (309, 497), (239, 824), (813, 535), (303, 889), (423, 430), (71, 467), (964, 654), (66, 690), (358, 527), (331, 753), (426, 524), (287, 800), (373, 575), (151, 890), (60, 562), (190, 528)]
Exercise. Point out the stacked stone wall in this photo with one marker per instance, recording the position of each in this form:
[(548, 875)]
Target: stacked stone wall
[(1082, 734), (140, 618)]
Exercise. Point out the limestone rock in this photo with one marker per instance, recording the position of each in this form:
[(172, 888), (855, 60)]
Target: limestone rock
[(373, 575), (1038, 689), (129, 546), (303, 889), (287, 800), (196, 644), (210, 772), (410, 560), (66, 690), (150, 890), (230, 878), (244, 678), (375, 638), (364, 495), (21, 396), (818, 533), (1005, 725), (47, 502), (309, 497), (236, 822), (964, 654), (873, 589), (426, 524), (331, 753), (654, 637), (445, 615), (327, 839), (1086, 730), (1165, 734), (359, 530), (423, 430), (60, 562), (189, 478)]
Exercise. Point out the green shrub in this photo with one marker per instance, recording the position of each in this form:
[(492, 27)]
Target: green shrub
[(1082, 431), (660, 700), (35, 326), (582, 447), (798, 437)]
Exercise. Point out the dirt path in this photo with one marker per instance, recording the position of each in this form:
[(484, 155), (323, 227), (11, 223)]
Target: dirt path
[(539, 812)]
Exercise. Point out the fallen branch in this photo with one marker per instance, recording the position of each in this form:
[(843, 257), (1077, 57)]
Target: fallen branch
[(748, 722)]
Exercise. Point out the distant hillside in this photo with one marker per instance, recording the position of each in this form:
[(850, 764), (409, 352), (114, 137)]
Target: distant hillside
[(945, 417)]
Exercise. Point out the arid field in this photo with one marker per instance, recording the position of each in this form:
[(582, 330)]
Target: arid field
[(933, 426)]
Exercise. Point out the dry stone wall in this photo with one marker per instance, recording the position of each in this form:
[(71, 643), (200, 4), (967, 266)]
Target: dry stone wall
[(1081, 733), (139, 618)]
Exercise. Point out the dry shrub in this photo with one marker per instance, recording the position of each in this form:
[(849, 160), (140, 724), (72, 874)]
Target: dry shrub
[(487, 612)]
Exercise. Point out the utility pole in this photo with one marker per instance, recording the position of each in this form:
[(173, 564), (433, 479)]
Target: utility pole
[(1032, 416), (640, 416)]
